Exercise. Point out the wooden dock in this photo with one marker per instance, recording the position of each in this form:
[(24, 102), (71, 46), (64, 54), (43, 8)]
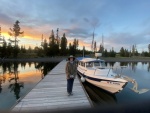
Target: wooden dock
[(50, 94)]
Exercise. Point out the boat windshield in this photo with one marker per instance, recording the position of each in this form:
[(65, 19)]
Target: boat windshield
[(96, 63), (99, 64), (89, 64), (103, 64)]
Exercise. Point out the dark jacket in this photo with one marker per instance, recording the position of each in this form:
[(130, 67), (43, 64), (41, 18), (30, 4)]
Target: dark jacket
[(71, 69)]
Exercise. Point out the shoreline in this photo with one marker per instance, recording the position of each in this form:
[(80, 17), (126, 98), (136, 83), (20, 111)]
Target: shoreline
[(44, 59), (126, 59), (58, 59)]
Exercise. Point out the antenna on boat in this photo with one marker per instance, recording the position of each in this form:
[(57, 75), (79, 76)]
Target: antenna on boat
[(92, 40), (83, 51), (102, 43)]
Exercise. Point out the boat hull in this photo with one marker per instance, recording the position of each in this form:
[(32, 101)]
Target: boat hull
[(108, 85)]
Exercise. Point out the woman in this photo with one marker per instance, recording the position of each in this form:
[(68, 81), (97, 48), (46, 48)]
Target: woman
[(71, 72)]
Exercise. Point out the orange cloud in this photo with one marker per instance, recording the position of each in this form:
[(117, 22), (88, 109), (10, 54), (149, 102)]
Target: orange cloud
[(81, 44), (32, 37)]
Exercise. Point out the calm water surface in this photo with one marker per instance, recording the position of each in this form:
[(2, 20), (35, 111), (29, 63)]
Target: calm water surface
[(138, 71), (17, 79)]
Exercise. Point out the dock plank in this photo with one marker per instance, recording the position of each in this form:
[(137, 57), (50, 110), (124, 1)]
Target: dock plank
[(51, 94)]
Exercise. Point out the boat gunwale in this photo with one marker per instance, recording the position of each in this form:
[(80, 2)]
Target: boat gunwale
[(99, 79), (90, 60)]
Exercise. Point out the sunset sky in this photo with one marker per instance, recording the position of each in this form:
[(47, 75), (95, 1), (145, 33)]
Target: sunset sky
[(123, 23)]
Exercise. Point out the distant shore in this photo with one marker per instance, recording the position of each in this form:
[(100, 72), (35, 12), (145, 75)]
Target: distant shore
[(58, 59), (42, 59), (126, 59)]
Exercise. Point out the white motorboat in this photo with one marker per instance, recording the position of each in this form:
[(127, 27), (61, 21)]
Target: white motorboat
[(95, 72)]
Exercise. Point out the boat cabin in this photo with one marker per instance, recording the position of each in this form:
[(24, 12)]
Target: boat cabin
[(92, 63)]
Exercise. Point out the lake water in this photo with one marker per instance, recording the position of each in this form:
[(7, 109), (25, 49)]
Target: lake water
[(17, 79), (138, 71)]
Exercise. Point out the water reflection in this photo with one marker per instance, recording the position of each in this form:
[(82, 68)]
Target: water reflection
[(15, 85), (45, 67), (18, 78), (148, 67), (11, 69), (22, 77), (131, 65), (0, 84), (122, 65), (134, 65), (111, 64), (99, 96), (136, 90), (23, 65), (2, 78)]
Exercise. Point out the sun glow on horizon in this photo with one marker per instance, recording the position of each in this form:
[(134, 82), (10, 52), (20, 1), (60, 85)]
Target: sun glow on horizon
[(30, 41)]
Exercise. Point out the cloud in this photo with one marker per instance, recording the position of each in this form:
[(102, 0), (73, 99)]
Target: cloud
[(32, 13), (5, 19), (126, 40), (86, 20), (118, 21), (77, 32)]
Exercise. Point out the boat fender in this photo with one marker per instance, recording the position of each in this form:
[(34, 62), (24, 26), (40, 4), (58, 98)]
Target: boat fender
[(82, 79)]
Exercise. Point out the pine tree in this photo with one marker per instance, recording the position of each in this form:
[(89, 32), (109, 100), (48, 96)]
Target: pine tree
[(133, 50), (53, 45), (45, 47), (71, 49), (149, 49), (75, 46), (52, 39), (14, 33), (63, 45), (105, 54), (122, 52)]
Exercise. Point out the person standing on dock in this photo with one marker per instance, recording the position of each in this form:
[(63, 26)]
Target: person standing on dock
[(71, 72)]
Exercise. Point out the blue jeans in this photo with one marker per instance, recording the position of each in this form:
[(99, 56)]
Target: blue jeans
[(70, 85)]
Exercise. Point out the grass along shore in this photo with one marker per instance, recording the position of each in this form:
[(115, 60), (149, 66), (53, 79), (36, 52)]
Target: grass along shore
[(40, 59), (126, 59)]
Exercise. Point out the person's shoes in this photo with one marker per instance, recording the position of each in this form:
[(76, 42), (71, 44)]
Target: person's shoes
[(71, 93)]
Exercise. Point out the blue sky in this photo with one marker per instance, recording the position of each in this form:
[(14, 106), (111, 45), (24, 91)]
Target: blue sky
[(123, 23)]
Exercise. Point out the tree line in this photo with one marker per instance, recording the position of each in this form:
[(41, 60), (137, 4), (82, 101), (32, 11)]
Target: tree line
[(54, 45)]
